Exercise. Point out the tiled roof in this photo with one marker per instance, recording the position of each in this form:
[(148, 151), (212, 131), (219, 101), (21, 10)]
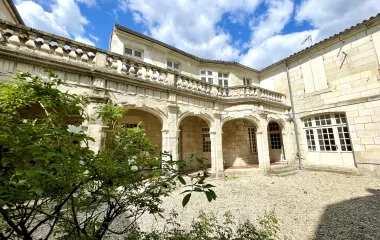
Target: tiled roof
[(203, 60)]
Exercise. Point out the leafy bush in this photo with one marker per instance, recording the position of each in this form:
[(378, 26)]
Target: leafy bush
[(52, 183), (207, 227)]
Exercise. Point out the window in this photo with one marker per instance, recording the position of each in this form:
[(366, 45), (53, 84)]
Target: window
[(247, 81), (172, 65), (310, 140), (326, 139), (132, 52), (252, 139), (223, 79), (344, 138), (275, 141), (207, 76), (206, 140), (130, 125), (327, 133), (274, 135)]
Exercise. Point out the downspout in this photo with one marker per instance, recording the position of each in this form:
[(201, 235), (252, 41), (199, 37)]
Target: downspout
[(294, 117)]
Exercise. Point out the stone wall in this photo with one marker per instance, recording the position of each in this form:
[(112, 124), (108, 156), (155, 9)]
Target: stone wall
[(351, 69), (236, 144), (150, 123), (191, 141)]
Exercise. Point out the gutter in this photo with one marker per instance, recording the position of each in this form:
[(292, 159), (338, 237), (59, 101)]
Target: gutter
[(294, 117)]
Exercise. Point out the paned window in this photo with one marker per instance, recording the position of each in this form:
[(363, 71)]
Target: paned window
[(326, 139), (207, 76), (132, 52), (172, 65), (344, 138), (275, 141), (206, 140), (252, 139), (273, 126), (310, 140), (247, 81), (223, 79), (328, 133)]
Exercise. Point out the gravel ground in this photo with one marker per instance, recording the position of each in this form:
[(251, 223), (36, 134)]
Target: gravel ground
[(309, 205)]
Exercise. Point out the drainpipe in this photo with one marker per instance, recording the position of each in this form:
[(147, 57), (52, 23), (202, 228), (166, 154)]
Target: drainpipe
[(294, 117)]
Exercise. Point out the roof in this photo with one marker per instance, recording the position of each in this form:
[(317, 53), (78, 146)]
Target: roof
[(203, 60), (14, 9)]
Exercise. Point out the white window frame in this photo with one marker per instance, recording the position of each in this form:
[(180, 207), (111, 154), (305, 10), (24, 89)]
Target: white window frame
[(247, 81), (206, 77), (340, 132), (172, 63), (133, 52), (206, 140), (252, 139), (223, 78)]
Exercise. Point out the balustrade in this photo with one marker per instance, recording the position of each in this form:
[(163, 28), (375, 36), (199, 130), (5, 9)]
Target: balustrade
[(38, 43)]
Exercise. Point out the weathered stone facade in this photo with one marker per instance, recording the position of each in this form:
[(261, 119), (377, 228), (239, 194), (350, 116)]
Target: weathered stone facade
[(230, 120)]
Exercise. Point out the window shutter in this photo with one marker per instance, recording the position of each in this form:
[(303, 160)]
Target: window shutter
[(319, 74), (307, 74)]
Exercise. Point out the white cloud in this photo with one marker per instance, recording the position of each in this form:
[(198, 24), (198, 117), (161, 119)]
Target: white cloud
[(275, 48), (331, 17), (89, 3), (84, 40), (272, 22), (190, 25), (64, 19), (96, 39)]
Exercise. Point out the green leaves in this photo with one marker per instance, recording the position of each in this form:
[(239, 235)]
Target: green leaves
[(186, 199), (182, 180)]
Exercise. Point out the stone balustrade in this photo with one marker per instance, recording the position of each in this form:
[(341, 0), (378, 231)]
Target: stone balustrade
[(237, 92), (58, 50)]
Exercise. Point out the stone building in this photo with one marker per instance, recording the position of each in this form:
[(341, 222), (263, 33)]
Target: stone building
[(237, 117)]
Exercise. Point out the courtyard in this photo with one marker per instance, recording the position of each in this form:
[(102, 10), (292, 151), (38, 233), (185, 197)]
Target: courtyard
[(308, 204)]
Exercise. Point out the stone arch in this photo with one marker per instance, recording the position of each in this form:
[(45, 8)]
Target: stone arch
[(194, 136), (278, 120), (207, 118), (276, 139), (152, 123), (254, 120), (161, 116), (239, 141)]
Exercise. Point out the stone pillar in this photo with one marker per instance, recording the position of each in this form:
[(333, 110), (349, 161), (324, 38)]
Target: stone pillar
[(94, 127), (217, 164), (262, 145), (172, 133)]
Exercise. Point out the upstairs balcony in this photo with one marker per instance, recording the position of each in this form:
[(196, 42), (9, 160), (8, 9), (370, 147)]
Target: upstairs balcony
[(21, 43)]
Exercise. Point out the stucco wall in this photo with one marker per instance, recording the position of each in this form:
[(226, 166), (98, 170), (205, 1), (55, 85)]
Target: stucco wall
[(159, 56), (5, 12)]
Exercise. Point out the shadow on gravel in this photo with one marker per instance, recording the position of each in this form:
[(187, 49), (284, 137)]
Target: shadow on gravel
[(358, 218)]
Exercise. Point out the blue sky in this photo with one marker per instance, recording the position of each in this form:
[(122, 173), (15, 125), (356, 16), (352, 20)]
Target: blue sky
[(255, 33)]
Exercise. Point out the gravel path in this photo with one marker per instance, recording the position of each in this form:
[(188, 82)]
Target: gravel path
[(309, 205)]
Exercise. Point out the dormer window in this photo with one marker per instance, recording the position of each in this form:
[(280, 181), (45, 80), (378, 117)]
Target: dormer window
[(172, 65), (132, 52), (247, 81), (207, 76)]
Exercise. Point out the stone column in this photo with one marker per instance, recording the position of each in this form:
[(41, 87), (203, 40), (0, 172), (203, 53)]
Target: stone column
[(172, 133), (217, 165), (94, 127), (262, 145)]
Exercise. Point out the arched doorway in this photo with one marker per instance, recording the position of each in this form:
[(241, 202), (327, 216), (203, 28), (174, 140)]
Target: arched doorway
[(276, 150), (194, 138), (239, 143), (151, 123)]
